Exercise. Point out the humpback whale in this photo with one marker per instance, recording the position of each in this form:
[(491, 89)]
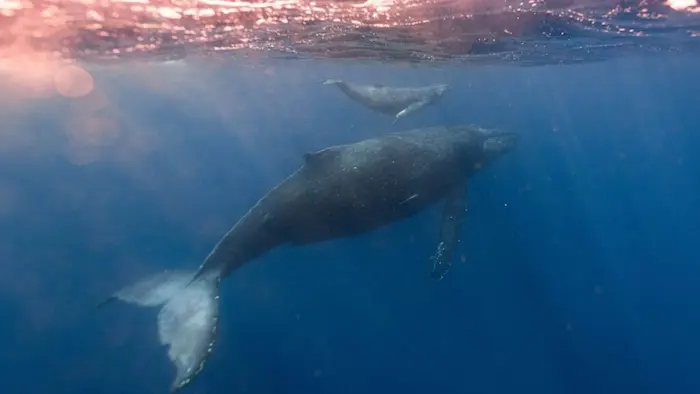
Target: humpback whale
[(339, 191), (397, 102)]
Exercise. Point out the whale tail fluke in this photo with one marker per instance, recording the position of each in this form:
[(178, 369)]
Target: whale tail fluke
[(187, 320)]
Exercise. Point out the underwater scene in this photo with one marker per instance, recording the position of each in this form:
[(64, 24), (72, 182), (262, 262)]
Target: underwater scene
[(347, 196)]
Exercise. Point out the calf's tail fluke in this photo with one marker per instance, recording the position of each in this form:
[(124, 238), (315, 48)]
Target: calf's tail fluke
[(187, 319)]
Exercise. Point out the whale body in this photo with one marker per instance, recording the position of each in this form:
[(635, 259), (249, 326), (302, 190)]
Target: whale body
[(340, 191), (395, 101)]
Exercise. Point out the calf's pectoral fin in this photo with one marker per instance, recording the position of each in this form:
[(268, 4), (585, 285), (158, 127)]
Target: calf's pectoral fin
[(452, 215), (411, 108)]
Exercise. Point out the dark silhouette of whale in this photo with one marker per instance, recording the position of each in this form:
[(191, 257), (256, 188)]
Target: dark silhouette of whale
[(339, 191)]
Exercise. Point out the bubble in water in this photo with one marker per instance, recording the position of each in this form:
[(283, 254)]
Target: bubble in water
[(73, 81)]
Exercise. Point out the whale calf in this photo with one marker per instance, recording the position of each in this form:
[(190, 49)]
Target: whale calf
[(339, 191), (397, 102)]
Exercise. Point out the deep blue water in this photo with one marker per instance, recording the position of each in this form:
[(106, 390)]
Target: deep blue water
[(581, 271)]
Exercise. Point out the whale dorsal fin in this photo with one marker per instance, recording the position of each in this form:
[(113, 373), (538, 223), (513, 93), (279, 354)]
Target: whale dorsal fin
[(320, 158)]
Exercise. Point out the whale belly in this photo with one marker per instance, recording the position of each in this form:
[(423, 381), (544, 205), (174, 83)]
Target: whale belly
[(329, 221)]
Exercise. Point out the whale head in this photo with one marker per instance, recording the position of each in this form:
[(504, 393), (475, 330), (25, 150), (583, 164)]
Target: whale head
[(499, 144), (491, 144)]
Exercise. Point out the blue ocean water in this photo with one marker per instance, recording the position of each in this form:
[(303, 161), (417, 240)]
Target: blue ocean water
[(579, 247)]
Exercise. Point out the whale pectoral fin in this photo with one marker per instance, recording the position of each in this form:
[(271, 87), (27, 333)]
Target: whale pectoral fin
[(320, 158), (452, 215), (332, 81), (411, 108)]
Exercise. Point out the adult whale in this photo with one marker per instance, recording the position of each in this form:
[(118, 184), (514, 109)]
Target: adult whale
[(397, 102), (339, 191)]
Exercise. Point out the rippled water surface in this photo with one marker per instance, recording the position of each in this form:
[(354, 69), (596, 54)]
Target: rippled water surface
[(481, 31)]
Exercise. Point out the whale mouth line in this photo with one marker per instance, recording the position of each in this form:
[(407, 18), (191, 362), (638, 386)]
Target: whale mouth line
[(500, 142)]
